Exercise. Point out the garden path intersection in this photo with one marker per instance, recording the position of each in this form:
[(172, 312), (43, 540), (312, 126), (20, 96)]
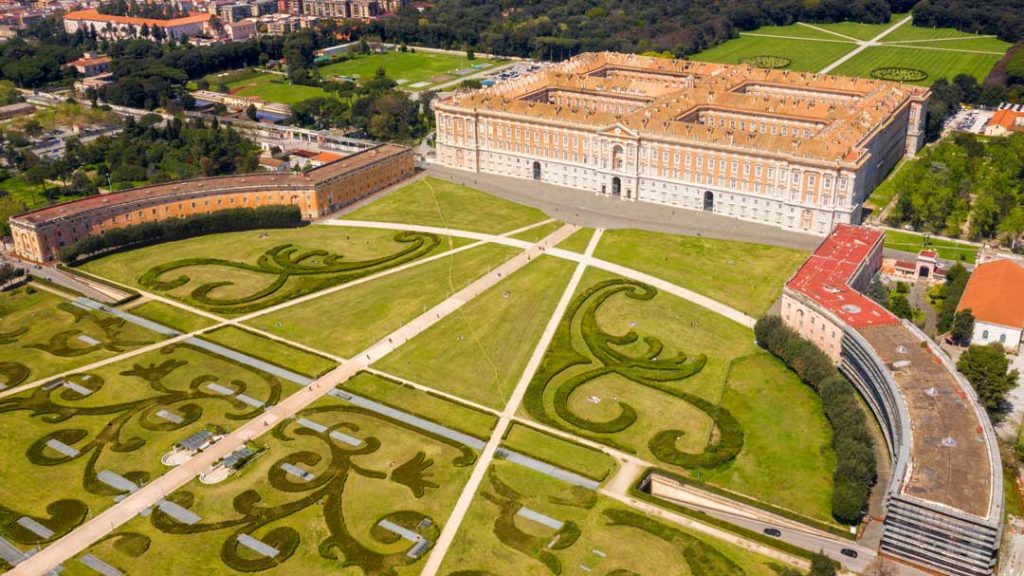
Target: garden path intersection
[(618, 487)]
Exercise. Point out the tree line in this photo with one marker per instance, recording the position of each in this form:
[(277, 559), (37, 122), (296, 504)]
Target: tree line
[(228, 220), (155, 10), (1002, 18), (856, 469)]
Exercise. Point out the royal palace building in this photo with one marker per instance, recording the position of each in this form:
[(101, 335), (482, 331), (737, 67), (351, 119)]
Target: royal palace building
[(796, 150), (40, 234)]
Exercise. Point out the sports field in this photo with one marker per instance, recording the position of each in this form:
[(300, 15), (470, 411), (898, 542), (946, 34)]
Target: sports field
[(931, 53), (414, 71), (275, 88)]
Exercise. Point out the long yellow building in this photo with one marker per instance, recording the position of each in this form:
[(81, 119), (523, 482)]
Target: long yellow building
[(795, 150)]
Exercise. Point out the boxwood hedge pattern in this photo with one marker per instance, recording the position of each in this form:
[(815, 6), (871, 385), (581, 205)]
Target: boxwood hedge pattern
[(898, 74), (339, 462), (581, 352), (62, 407), (279, 264), (766, 61)]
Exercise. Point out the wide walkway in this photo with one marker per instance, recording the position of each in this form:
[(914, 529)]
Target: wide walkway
[(144, 498)]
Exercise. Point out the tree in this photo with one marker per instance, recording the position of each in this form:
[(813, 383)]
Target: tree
[(823, 565), (987, 369), (877, 291), (900, 306), (1019, 447), (881, 566), (250, 112), (470, 55), (963, 327)]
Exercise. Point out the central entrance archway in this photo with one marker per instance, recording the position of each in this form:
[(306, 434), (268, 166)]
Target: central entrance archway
[(616, 186), (536, 170), (709, 201)]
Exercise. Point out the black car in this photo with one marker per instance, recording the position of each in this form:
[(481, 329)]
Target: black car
[(773, 532), (850, 552)]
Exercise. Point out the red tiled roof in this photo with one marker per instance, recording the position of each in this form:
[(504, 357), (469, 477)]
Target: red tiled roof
[(326, 157), (90, 61), (824, 277), (1008, 119), (94, 15), (995, 293)]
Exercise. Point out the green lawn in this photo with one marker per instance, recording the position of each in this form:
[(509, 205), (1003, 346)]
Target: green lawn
[(435, 408), (327, 525), (43, 334), (776, 460), (115, 428), (538, 233), (936, 63), (434, 202), (804, 55), (349, 320), (244, 274), (560, 452), (599, 534), (275, 88), (277, 353), (861, 30), (578, 242), (913, 243), (884, 192), (479, 352), (748, 277), (407, 68), (171, 316), (796, 30)]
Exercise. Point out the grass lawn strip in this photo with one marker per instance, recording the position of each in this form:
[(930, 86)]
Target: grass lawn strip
[(560, 452), (434, 202), (45, 334), (114, 427), (428, 406), (594, 390), (276, 353), (320, 525), (913, 243), (538, 233), (480, 352), (596, 533), (804, 55), (346, 321), (578, 242), (171, 316), (748, 277)]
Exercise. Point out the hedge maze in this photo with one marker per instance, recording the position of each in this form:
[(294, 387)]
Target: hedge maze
[(581, 352), (271, 499), (289, 273), (101, 424)]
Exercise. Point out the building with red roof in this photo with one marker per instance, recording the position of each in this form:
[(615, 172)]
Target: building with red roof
[(995, 295), (113, 26), (1005, 121), (943, 505)]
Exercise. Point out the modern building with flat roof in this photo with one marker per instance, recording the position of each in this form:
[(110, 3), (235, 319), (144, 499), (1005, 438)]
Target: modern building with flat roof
[(944, 500), (796, 150), (40, 234)]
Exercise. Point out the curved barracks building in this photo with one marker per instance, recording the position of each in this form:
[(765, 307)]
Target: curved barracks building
[(795, 150), (40, 234)]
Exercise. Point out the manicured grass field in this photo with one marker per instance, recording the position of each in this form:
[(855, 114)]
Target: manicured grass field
[(913, 243), (599, 534), (43, 334), (748, 277), (327, 525), (171, 316), (275, 88), (243, 271), (404, 397), (277, 353), (563, 453), (349, 320), (433, 202), (479, 353), (537, 233), (775, 460), (578, 242), (861, 30), (115, 427), (936, 63), (406, 68), (805, 55)]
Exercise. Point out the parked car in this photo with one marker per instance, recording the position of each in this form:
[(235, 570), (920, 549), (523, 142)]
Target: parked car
[(773, 532), (850, 552)]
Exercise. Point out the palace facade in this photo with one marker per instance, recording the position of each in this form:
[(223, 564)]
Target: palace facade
[(944, 497), (40, 234), (795, 150)]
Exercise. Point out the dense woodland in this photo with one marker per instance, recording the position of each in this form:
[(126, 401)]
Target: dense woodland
[(964, 186), (1003, 18)]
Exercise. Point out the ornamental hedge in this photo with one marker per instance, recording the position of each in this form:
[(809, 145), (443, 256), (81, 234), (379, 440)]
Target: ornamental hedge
[(898, 74), (230, 220), (856, 469), (766, 61)]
